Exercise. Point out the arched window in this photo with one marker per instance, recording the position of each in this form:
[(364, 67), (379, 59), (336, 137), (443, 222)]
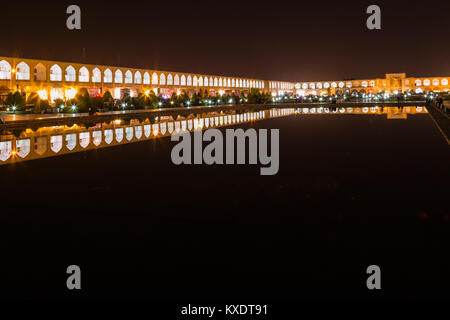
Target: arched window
[(107, 76), (96, 75), (206, 82), (435, 82), (319, 85), (176, 80), (372, 83), (84, 75), (22, 71), (169, 80), (71, 74), (220, 82), (118, 76), (444, 82), (40, 73), (200, 82), (162, 79), (334, 85), (195, 81), (146, 78), (128, 77), (5, 70), (154, 78), (341, 84), (326, 85), (232, 83), (364, 84), (312, 86), (216, 82), (189, 80), (137, 77), (183, 80), (426, 82), (240, 83), (349, 84), (55, 73), (229, 82)]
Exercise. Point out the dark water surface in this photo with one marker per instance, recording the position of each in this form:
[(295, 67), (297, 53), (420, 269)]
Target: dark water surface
[(351, 191)]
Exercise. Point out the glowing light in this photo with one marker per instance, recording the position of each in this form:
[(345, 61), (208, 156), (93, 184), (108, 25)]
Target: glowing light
[(70, 93), (221, 92), (43, 94), (56, 94), (117, 93)]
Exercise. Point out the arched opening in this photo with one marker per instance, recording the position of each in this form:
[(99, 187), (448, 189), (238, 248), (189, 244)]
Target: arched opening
[(216, 82), (189, 81), (5, 70), (40, 72), (107, 76), (162, 79), (84, 75), (169, 80), (137, 77), (177, 80), (55, 73), (183, 80), (71, 75), (154, 78), (128, 77), (22, 71), (206, 82), (118, 76), (146, 78), (200, 81), (195, 81), (96, 75)]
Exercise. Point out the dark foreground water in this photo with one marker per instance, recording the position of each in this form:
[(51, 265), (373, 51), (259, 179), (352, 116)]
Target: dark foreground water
[(351, 191)]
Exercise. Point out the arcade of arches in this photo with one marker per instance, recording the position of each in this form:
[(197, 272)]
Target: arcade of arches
[(59, 80)]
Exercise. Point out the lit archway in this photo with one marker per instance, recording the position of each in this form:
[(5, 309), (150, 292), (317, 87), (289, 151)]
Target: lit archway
[(55, 73), (118, 76), (128, 77), (107, 76), (70, 74), (96, 75), (5, 70), (40, 73), (83, 75), (22, 71), (146, 78), (137, 77)]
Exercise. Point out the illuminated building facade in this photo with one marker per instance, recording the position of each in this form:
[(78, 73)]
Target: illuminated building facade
[(61, 80), (393, 83)]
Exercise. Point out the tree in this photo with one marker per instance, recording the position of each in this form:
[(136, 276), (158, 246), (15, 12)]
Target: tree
[(83, 100), (107, 100), (16, 101)]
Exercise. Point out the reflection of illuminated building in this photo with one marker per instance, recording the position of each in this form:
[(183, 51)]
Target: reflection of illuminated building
[(390, 112)]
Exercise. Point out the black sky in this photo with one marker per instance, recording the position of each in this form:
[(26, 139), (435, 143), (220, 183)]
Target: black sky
[(314, 40)]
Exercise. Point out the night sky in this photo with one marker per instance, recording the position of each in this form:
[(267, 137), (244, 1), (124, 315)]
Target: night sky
[(276, 40)]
